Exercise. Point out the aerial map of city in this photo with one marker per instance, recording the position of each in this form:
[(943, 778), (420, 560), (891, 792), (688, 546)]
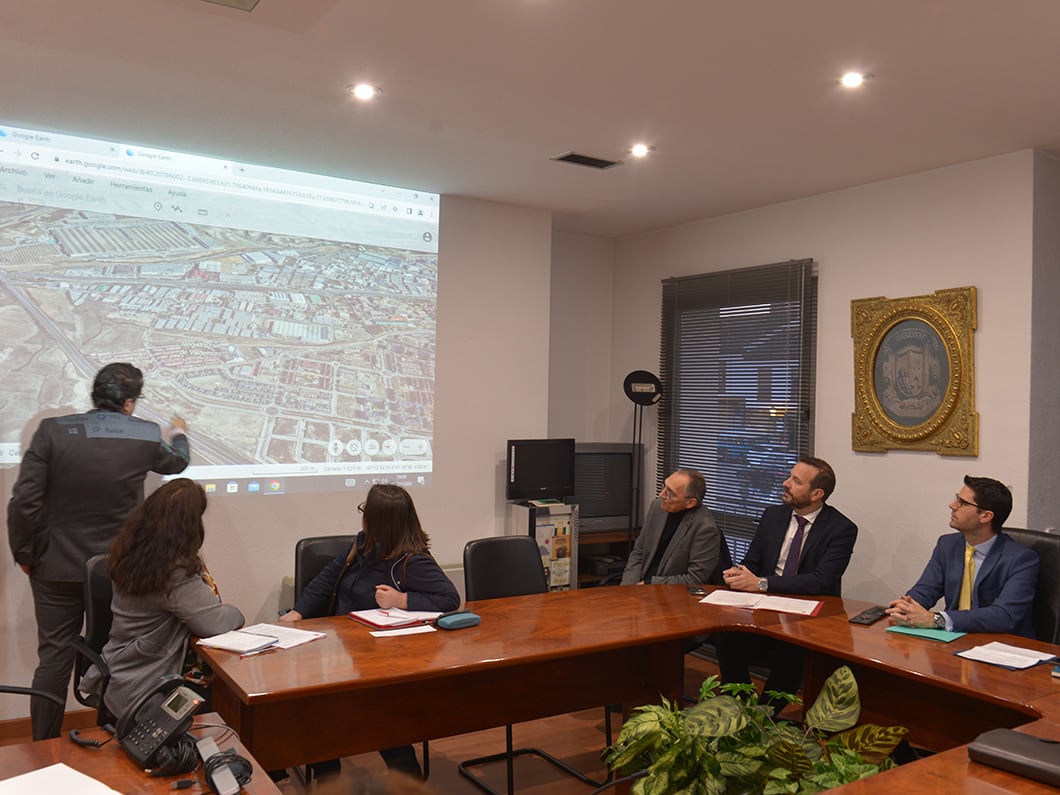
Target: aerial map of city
[(276, 349)]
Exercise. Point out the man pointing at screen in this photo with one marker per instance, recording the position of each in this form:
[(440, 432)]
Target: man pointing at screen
[(80, 478)]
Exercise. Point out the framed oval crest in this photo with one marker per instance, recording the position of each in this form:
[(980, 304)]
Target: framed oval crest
[(914, 373)]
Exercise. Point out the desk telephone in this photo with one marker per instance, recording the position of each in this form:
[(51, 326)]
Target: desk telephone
[(153, 731)]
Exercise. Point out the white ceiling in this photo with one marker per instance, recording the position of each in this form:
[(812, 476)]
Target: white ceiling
[(737, 96)]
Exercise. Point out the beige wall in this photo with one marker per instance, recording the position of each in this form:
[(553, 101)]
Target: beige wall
[(964, 225)]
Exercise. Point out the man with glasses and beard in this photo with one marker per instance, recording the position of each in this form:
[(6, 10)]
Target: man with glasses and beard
[(801, 547), (986, 579)]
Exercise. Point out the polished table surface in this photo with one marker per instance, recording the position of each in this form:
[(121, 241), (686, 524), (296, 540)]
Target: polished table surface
[(110, 764), (547, 654)]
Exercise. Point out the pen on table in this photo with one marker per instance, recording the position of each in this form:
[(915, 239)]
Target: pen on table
[(259, 651)]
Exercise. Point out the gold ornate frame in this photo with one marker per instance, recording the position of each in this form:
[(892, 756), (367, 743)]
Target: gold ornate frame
[(914, 373)]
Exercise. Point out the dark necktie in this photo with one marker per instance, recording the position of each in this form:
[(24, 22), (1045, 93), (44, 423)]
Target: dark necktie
[(791, 565)]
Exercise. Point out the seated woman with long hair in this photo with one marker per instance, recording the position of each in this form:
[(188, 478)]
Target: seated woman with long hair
[(163, 594), (388, 565)]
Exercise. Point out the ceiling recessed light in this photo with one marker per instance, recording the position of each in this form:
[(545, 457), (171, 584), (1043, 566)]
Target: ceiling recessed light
[(641, 150), (853, 79), (363, 90)]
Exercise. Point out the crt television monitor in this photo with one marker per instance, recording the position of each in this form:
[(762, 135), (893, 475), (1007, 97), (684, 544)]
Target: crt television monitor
[(540, 469), (603, 485)]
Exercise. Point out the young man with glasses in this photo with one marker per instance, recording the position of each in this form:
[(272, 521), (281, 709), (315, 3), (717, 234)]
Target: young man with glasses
[(679, 542), (986, 579)]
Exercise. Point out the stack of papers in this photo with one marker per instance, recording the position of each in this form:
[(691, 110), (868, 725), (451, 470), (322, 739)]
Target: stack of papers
[(1012, 657), (393, 617), (761, 601), (260, 637)]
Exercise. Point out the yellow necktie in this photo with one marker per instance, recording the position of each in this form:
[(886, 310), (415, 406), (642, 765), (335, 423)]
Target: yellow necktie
[(965, 600)]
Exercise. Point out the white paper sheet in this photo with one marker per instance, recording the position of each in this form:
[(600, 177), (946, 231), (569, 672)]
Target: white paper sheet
[(761, 601), (57, 779), (1005, 655), (388, 633), (286, 637)]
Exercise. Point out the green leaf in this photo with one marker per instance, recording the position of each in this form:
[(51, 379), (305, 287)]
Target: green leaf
[(737, 765), (790, 755), (775, 787), (657, 783), (870, 740), (709, 687), (838, 706), (718, 716)]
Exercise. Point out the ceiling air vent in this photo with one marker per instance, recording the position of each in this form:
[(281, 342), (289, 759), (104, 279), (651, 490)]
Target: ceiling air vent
[(242, 5), (586, 160)]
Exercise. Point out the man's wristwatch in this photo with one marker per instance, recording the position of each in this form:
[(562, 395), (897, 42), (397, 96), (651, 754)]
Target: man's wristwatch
[(763, 584), (940, 620)]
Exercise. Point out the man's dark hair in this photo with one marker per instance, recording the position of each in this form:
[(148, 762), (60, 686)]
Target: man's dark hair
[(697, 485), (116, 383), (825, 477), (991, 495)]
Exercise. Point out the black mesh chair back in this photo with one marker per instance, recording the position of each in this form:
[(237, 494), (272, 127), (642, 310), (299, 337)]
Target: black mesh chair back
[(1046, 610), (311, 555), (503, 566), (89, 646), (497, 567)]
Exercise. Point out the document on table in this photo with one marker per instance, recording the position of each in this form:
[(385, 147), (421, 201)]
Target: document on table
[(1006, 656), (761, 601), (416, 630), (286, 637), (260, 637), (240, 641), (59, 779), (393, 617)]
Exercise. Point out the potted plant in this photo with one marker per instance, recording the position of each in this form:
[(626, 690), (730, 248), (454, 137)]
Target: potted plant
[(730, 743)]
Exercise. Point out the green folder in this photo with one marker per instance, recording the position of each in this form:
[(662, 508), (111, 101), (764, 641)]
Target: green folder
[(930, 634)]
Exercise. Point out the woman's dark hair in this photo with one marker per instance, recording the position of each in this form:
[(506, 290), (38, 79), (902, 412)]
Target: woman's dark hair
[(391, 526), (160, 538), (116, 383)]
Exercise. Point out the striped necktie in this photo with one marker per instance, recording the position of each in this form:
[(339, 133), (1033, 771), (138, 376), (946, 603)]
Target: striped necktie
[(967, 583)]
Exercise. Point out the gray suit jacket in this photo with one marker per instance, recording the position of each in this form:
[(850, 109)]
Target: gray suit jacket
[(149, 637), (691, 556), (79, 479)]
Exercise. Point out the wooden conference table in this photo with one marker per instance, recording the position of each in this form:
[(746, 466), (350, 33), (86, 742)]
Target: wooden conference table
[(540, 655), (112, 766)]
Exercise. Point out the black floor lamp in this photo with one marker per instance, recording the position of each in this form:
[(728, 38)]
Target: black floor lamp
[(644, 389)]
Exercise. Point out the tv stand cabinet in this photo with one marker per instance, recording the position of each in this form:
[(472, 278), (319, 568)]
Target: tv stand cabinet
[(608, 542)]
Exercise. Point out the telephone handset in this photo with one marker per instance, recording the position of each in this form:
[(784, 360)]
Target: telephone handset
[(152, 728)]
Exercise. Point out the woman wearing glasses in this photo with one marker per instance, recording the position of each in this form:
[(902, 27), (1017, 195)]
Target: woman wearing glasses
[(388, 565)]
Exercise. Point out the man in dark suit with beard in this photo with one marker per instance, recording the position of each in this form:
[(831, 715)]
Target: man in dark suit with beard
[(80, 478), (801, 547)]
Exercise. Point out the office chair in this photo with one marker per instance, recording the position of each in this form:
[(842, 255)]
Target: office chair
[(34, 692), (1045, 613), (89, 647), (311, 555), (509, 566)]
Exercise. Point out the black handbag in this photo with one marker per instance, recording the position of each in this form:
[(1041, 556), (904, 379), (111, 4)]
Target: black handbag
[(1019, 753)]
